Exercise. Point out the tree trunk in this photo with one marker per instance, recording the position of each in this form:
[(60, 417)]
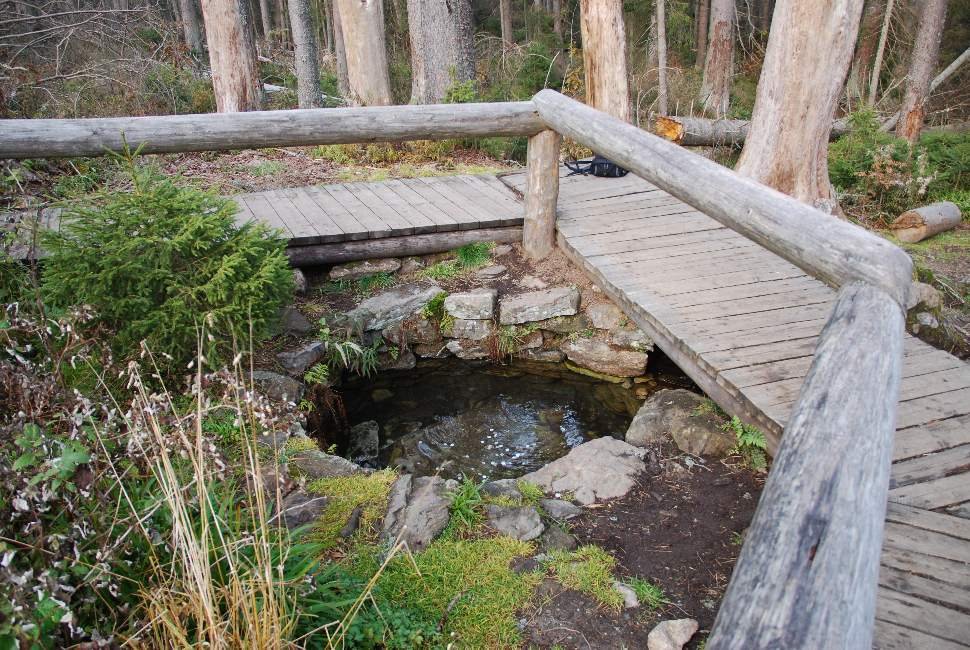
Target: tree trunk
[(661, 59), (340, 52), (719, 63), (880, 50), (442, 50), (266, 19), (235, 81), (362, 24), (806, 62), (918, 224), (328, 30), (190, 25), (702, 22), (305, 54), (939, 79), (691, 131), (926, 51), (557, 16), (281, 14), (764, 16), (505, 17), (865, 48), (604, 56)]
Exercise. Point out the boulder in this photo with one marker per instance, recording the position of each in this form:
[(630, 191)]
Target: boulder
[(490, 271), (680, 414), (405, 360), (521, 522), (294, 323), (672, 635), (365, 443), (539, 305), (300, 508), (566, 324), (418, 510), (605, 315), (466, 349), (299, 283), (474, 305), (597, 470), (925, 295), (377, 312), (473, 330), (278, 387), (414, 330), (296, 362), (357, 270), (503, 487), (556, 539), (632, 340), (630, 600), (560, 510), (599, 356), (315, 464)]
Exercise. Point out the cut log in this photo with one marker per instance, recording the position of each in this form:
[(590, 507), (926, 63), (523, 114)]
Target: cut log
[(541, 195), (704, 132), (916, 225)]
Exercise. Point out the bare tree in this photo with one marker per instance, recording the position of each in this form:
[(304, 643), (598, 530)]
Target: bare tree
[(926, 52), (719, 62), (880, 51), (806, 63), (604, 56), (305, 61), (340, 52), (191, 26), (702, 19), (505, 17), (865, 49), (266, 20), (235, 80), (442, 47), (661, 59), (362, 24)]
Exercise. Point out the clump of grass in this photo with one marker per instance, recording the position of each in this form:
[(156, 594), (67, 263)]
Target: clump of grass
[(709, 407), (466, 506), (443, 270), (474, 255), (336, 153), (588, 569), (266, 168), (647, 593), (531, 493), (345, 493), (750, 444), (511, 337), (435, 309), (371, 283)]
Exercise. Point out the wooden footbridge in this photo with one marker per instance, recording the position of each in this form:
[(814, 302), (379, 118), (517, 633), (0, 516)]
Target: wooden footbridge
[(787, 317)]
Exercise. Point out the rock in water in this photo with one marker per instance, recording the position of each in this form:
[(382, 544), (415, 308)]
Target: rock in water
[(474, 305), (597, 470), (680, 414), (539, 305), (672, 635), (418, 510), (600, 357), (365, 443), (393, 305), (357, 270), (521, 522)]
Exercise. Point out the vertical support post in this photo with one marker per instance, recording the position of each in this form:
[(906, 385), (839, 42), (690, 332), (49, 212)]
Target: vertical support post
[(541, 194)]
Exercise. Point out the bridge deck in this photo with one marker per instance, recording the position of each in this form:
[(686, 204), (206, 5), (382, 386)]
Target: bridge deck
[(742, 322)]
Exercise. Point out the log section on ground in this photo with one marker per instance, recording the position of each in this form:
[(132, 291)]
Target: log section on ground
[(704, 132), (918, 224)]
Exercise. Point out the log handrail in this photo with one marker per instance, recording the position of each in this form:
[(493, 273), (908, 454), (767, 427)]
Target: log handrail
[(807, 573)]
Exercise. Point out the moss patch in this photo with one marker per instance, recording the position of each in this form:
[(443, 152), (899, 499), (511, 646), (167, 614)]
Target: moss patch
[(588, 569), (370, 491)]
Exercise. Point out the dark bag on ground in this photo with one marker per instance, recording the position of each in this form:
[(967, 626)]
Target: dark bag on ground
[(597, 166)]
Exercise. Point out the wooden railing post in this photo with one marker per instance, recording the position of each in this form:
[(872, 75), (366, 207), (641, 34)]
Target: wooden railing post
[(809, 568), (541, 194)]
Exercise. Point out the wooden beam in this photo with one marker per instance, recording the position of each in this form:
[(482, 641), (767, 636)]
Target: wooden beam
[(808, 572), (438, 242), (541, 194), (828, 248), (264, 129)]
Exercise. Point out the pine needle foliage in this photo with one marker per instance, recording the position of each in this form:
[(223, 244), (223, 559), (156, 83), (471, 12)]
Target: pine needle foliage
[(156, 261)]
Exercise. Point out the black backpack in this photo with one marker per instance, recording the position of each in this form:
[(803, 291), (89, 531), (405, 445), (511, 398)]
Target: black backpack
[(597, 166)]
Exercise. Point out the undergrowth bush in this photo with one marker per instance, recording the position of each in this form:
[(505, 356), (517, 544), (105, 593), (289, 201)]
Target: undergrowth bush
[(157, 260)]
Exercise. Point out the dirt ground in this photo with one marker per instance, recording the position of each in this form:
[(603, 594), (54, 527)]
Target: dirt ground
[(680, 529)]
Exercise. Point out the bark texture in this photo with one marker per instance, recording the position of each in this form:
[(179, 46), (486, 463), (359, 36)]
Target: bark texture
[(801, 81), (702, 22), (235, 81), (505, 16), (362, 24), (926, 51), (719, 62), (661, 58), (442, 47), (604, 57), (305, 54), (340, 52), (865, 49), (191, 27)]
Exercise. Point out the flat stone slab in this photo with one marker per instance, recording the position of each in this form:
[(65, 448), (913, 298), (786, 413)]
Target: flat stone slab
[(599, 356), (473, 305), (357, 270), (474, 330), (377, 312), (601, 469), (418, 510), (520, 522), (296, 362), (539, 305)]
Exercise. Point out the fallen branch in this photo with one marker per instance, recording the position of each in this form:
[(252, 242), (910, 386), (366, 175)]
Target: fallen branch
[(704, 132), (918, 224)]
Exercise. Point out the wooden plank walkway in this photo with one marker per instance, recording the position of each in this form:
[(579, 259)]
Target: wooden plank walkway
[(742, 322)]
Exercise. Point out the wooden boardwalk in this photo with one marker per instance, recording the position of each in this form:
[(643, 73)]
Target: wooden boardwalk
[(742, 322)]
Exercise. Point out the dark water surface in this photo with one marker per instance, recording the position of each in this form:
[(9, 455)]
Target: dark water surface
[(455, 418)]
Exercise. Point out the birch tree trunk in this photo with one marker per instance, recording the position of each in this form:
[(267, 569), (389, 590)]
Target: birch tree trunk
[(235, 81), (926, 51), (806, 62), (190, 25), (702, 22), (362, 24), (340, 52), (604, 56), (505, 17), (661, 59), (719, 62), (442, 49), (305, 61)]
